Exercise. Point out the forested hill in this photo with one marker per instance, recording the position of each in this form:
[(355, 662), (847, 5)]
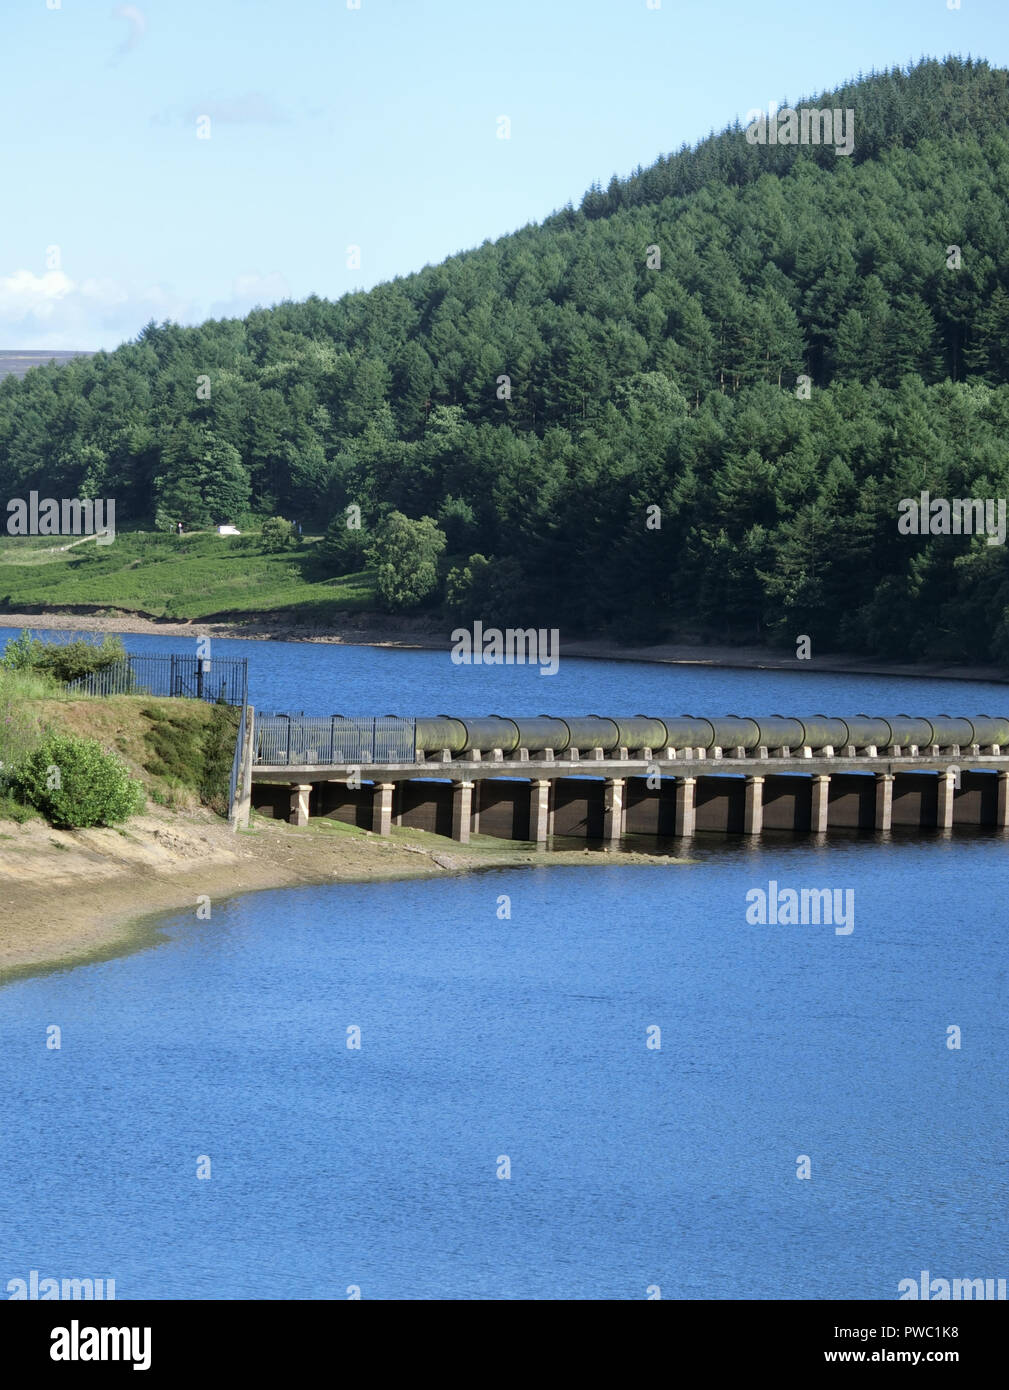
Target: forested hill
[(541, 396)]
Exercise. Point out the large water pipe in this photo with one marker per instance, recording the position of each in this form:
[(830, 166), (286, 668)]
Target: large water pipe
[(685, 732)]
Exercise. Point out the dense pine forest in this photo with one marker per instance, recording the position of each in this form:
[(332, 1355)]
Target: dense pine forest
[(688, 407)]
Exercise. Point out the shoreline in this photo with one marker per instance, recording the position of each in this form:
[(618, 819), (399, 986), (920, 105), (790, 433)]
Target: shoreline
[(420, 637), (81, 897)]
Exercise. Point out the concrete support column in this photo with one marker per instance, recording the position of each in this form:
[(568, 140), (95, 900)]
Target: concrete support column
[(753, 813), (685, 812), (242, 808), (613, 808), (300, 792), (1002, 803), (474, 815), (539, 810), (462, 809), (381, 808), (944, 812), (884, 800), (821, 802)]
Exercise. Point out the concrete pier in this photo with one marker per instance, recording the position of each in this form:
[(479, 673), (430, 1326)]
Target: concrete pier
[(947, 786), (462, 810), (884, 800), (820, 804), (300, 793), (381, 808), (753, 821), (613, 808), (685, 820), (539, 811)]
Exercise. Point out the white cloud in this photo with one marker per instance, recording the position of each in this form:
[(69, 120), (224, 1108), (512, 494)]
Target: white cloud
[(24, 294), (54, 311)]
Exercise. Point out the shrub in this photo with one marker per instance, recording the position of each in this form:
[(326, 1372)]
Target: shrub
[(66, 661), (76, 783), (18, 652), (341, 550), (277, 534)]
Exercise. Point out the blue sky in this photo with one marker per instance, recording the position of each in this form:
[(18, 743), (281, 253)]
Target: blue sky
[(375, 127)]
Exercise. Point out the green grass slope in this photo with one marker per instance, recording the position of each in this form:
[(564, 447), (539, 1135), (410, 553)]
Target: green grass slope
[(157, 576)]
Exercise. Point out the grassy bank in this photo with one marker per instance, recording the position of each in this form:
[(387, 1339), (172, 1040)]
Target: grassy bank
[(180, 751), (167, 576)]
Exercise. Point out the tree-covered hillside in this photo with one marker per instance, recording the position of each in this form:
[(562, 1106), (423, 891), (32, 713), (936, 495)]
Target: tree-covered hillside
[(541, 396)]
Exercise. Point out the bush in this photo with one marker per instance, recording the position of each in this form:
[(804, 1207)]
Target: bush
[(75, 783), (18, 652), (65, 661), (277, 534), (342, 548)]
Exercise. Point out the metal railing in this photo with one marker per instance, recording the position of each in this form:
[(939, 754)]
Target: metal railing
[(174, 675), (301, 741)]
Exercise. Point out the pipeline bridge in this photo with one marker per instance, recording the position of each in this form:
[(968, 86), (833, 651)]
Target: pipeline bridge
[(601, 778)]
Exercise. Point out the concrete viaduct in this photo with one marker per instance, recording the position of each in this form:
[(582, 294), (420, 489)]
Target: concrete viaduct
[(601, 778)]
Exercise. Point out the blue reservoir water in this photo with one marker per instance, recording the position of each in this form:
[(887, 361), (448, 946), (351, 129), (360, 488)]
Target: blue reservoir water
[(488, 1037), (323, 679)]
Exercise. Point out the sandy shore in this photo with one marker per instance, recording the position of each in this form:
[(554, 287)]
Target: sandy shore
[(75, 896), (371, 631)]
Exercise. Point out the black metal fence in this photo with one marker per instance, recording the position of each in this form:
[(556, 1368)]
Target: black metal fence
[(190, 677), (297, 740)]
